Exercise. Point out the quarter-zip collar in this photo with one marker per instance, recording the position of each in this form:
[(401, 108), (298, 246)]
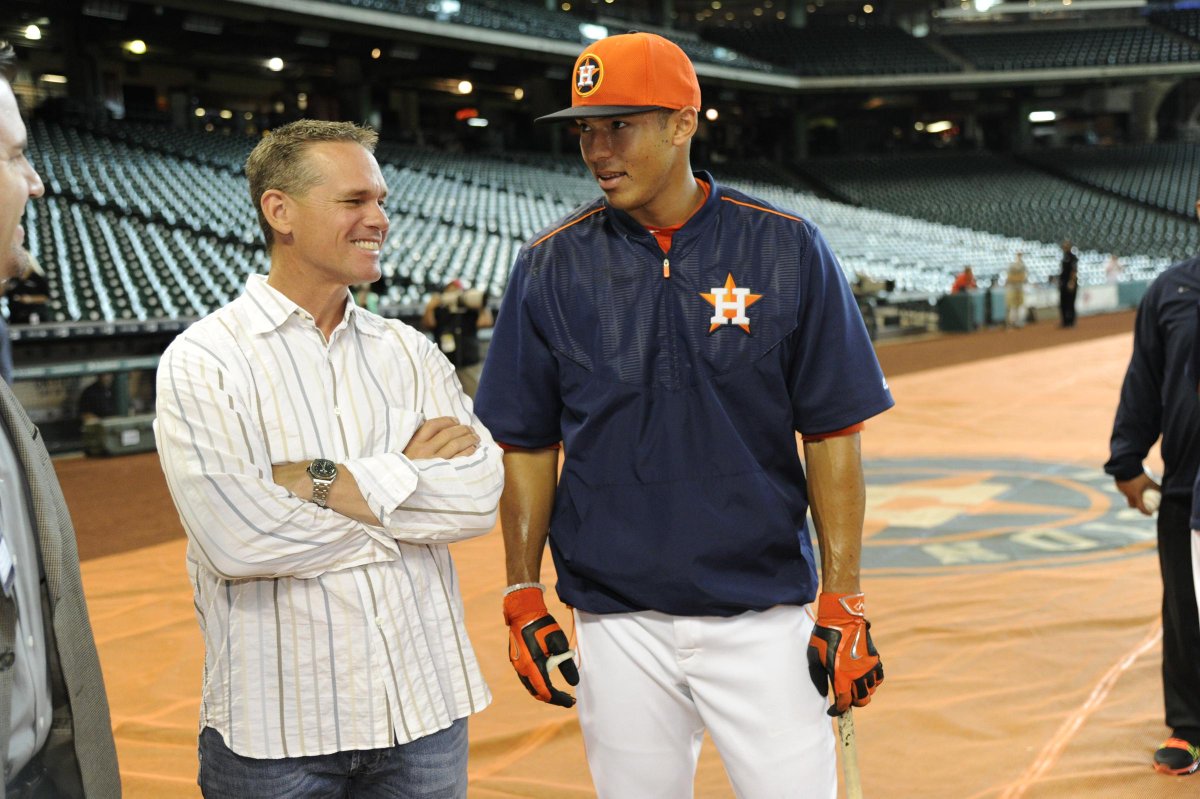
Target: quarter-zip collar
[(700, 222)]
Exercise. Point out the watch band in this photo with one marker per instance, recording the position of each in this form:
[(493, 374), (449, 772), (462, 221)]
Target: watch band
[(320, 491), (323, 472)]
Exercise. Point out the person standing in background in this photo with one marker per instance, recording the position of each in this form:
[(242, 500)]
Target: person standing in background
[(1068, 286), (1158, 399), (455, 318), (1014, 292), (28, 293)]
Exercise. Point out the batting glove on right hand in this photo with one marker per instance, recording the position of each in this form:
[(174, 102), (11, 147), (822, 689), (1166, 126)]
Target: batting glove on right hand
[(841, 651), (536, 645)]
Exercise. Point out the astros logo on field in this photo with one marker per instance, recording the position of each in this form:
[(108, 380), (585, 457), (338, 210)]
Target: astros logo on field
[(729, 304), (938, 515), (589, 73)]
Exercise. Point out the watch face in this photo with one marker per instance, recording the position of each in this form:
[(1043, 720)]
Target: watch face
[(323, 469)]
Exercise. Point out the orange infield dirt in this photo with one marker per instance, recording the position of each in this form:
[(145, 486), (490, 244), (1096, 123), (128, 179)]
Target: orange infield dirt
[(1015, 603)]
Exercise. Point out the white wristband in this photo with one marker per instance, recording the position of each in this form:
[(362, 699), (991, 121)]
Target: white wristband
[(519, 586)]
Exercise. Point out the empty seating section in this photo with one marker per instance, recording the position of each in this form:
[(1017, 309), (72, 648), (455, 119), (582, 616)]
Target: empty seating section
[(134, 233), (830, 50), (108, 173), (127, 233), (1163, 175), (1071, 48), (220, 150), (1184, 22), (985, 192)]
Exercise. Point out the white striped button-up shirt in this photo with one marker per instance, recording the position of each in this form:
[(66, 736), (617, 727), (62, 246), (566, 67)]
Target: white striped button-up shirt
[(322, 633)]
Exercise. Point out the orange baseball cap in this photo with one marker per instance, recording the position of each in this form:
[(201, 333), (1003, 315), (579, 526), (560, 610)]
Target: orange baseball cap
[(629, 74)]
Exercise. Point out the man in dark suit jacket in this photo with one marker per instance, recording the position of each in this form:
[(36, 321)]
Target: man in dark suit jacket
[(55, 733)]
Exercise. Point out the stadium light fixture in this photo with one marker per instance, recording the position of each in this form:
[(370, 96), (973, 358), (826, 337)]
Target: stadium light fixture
[(712, 114), (200, 112), (477, 122), (275, 64), (137, 47), (376, 53), (50, 77), (226, 113), (518, 93), (593, 33), (449, 6), (1042, 116), (941, 126), (465, 87), (33, 33)]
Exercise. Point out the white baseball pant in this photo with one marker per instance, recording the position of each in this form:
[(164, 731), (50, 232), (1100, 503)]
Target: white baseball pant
[(650, 684), (1196, 565)]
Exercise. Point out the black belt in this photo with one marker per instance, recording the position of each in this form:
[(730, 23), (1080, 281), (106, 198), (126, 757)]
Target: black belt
[(31, 782)]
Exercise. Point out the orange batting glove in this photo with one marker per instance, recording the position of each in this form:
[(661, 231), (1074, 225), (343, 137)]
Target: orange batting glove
[(841, 651), (537, 645)]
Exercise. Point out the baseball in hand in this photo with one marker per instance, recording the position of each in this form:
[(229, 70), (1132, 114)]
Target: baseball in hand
[(1151, 499)]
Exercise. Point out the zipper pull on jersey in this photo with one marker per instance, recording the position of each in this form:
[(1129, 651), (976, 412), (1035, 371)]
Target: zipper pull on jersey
[(666, 268)]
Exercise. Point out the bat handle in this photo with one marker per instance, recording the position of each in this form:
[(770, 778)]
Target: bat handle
[(849, 755)]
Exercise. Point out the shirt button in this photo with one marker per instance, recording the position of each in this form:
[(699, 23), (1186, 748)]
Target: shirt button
[(337, 411), (379, 621)]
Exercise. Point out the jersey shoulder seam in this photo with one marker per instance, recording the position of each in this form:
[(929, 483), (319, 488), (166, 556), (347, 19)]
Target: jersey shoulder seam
[(761, 208), (561, 228)]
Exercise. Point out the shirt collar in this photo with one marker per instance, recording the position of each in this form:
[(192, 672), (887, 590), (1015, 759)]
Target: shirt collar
[(697, 222), (271, 309)]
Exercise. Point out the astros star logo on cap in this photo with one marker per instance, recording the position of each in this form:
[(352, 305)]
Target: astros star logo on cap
[(589, 73)]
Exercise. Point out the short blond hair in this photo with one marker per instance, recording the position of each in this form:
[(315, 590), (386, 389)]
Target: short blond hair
[(278, 162)]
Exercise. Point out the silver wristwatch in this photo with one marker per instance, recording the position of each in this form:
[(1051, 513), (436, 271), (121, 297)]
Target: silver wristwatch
[(323, 472)]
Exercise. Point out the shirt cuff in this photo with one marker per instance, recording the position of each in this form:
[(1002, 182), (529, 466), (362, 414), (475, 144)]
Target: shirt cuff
[(1125, 469), (385, 481)]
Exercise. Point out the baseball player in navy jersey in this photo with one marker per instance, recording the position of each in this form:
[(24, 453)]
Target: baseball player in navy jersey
[(672, 337)]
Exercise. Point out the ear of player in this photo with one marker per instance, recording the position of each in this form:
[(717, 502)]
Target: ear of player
[(537, 645), (841, 652)]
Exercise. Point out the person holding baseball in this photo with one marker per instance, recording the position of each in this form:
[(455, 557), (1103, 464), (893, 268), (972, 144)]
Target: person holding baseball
[(1158, 398), (673, 337)]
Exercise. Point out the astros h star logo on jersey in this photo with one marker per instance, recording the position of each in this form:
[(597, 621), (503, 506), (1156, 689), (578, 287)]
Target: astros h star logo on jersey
[(729, 304), (589, 73)]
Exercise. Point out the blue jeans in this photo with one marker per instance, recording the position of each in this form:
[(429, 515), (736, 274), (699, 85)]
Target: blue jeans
[(433, 767)]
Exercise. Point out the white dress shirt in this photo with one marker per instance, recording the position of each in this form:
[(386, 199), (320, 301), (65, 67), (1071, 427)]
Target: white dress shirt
[(322, 633), (20, 577)]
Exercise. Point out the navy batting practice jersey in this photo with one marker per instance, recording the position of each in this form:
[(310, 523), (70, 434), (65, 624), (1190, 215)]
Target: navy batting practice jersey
[(677, 399)]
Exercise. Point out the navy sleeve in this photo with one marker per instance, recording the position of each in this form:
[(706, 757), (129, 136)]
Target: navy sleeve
[(835, 377), (518, 398), (1139, 414)]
